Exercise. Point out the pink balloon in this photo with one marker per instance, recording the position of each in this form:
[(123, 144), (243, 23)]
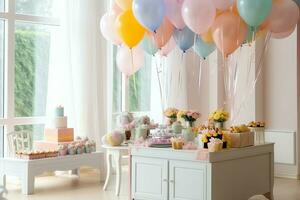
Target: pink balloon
[(284, 16), (284, 34), (163, 34), (229, 32), (173, 12), (128, 60), (165, 50), (108, 29), (198, 15), (223, 4)]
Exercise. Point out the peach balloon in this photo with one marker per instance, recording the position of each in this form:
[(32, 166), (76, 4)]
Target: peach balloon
[(284, 34), (229, 32), (165, 50), (284, 16), (124, 4), (163, 33), (223, 4), (116, 9)]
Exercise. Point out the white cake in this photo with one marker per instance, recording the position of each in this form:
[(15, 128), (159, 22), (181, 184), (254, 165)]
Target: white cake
[(58, 122)]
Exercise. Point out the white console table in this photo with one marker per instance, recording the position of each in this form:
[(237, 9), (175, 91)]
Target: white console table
[(26, 170), (233, 174)]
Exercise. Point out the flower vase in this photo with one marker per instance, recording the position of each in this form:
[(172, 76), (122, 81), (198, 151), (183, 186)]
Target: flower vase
[(188, 134), (219, 125), (171, 121)]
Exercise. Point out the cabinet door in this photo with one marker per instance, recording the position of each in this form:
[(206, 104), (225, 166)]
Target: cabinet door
[(187, 180), (149, 178)]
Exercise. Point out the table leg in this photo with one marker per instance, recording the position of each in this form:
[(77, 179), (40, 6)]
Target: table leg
[(28, 184), (108, 168), (117, 158)]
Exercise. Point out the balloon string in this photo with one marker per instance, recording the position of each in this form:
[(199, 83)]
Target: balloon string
[(134, 78), (160, 87), (260, 66), (200, 75)]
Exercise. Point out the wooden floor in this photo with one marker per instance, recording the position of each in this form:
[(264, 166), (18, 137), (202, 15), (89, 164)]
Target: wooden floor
[(65, 187)]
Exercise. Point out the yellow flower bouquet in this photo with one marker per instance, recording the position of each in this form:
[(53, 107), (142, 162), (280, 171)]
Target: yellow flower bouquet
[(171, 113), (219, 115)]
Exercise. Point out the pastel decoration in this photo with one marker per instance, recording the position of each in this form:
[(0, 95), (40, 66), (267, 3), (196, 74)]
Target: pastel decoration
[(129, 30), (184, 38), (251, 34), (116, 138), (124, 4), (207, 37), (202, 48), (149, 13), (148, 46), (162, 34), (283, 34), (173, 12), (198, 15), (108, 29), (284, 16), (165, 50), (254, 12), (128, 60), (229, 32), (223, 4), (116, 9), (59, 111)]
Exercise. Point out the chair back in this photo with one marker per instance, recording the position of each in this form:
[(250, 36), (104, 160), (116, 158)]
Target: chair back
[(19, 141)]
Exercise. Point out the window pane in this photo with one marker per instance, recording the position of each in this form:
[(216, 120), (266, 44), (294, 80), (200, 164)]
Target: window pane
[(140, 88), (1, 141), (37, 130), (1, 68), (45, 8), (31, 68), (1, 5)]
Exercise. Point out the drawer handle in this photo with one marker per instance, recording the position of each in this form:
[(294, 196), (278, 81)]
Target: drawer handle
[(172, 181), (165, 180)]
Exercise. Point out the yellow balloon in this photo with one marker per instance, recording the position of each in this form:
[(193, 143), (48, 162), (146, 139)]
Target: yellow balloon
[(124, 4), (129, 29), (207, 37)]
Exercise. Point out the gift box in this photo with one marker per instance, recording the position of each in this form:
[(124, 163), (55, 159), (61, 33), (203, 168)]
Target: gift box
[(244, 139), (59, 134)]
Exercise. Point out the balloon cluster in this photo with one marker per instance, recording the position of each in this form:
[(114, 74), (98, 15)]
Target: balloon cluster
[(153, 26)]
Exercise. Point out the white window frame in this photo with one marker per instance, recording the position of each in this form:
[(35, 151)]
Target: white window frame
[(10, 17)]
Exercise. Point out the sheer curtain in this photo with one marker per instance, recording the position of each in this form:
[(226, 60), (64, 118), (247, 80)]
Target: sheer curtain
[(77, 76)]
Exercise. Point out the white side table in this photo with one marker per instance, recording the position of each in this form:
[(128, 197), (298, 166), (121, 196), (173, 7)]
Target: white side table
[(114, 153)]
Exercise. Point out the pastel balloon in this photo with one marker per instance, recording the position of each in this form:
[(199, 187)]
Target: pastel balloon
[(283, 34), (254, 12), (284, 16), (116, 9), (223, 4), (207, 37), (163, 33), (165, 50), (202, 48), (173, 12), (148, 46), (124, 4), (251, 34), (149, 13), (297, 1), (198, 15), (129, 30), (229, 32), (108, 29), (128, 60), (184, 38)]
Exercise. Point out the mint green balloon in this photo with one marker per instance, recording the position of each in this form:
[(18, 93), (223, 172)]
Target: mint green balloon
[(202, 48), (254, 12), (148, 46), (250, 34)]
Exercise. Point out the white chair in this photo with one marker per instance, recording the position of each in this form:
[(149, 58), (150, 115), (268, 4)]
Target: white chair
[(258, 197), (2, 191), (19, 141)]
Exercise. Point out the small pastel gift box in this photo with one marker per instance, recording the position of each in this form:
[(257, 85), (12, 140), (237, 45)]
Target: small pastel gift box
[(243, 139), (63, 150), (72, 150), (215, 145)]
